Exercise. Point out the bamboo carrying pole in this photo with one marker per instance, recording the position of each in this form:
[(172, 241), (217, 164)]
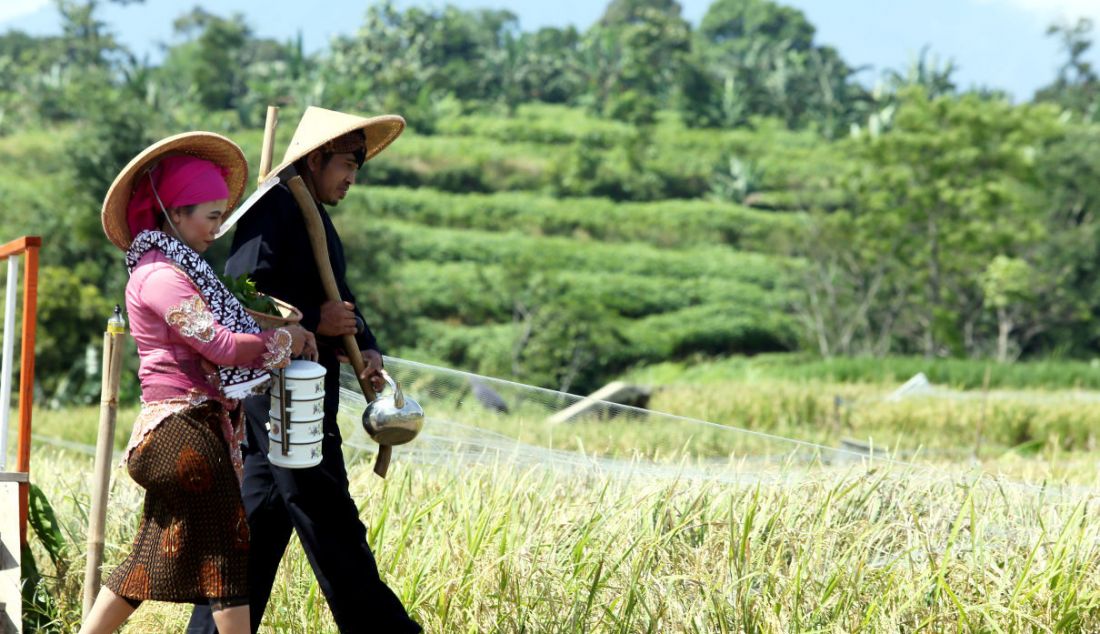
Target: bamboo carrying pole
[(268, 147), (113, 344), (317, 241)]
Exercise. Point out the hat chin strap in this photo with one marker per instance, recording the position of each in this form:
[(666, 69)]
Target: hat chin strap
[(164, 211)]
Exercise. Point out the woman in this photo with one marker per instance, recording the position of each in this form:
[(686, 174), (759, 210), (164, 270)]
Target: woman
[(199, 353)]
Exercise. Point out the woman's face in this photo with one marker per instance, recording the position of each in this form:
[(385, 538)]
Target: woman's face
[(198, 228)]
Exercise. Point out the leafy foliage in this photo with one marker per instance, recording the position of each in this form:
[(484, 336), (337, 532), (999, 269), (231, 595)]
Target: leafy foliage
[(679, 223), (936, 202), (244, 289)]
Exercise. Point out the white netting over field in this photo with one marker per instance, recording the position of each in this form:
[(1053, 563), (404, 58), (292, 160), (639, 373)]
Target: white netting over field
[(478, 420), (919, 387)]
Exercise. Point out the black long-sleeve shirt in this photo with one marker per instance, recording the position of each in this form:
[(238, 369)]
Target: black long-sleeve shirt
[(272, 246)]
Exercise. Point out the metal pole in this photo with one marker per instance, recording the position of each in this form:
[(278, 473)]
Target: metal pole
[(6, 367), (101, 482)]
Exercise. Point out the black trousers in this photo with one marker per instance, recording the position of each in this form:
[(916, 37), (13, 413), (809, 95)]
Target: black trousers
[(314, 502)]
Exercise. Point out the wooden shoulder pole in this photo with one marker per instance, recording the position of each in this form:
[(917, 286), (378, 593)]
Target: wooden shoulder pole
[(317, 241)]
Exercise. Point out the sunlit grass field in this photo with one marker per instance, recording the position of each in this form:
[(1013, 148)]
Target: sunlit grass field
[(949, 530)]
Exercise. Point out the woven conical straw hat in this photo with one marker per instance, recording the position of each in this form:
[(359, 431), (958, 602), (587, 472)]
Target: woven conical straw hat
[(319, 126), (205, 145)]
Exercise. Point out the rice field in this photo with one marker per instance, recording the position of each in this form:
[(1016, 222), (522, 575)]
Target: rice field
[(494, 522)]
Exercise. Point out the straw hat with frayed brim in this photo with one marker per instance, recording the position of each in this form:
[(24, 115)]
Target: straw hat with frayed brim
[(205, 145), (319, 126)]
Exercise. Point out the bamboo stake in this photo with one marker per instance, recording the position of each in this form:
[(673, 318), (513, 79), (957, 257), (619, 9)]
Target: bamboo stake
[(268, 147), (108, 411)]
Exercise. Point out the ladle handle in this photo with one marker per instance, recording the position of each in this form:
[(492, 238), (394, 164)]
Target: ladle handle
[(382, 461)]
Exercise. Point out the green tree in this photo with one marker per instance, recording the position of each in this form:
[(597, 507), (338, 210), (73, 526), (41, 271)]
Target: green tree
[(212, 61), (547, 65), (1069, 171), (623, 12), (409, 60), (1077, 86), (927, 71), (561, 338), (936, 199), (635, 54), (1008, 285), (756, 57), (53, 78), (88, 42)]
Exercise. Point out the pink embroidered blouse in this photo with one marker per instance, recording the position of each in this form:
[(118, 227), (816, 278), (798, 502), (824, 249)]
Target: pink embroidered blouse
[(180, 344)]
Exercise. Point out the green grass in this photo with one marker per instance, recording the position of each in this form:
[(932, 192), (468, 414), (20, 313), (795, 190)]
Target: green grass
[(503, 549), (500, 545), (490, 152), (955, 373)]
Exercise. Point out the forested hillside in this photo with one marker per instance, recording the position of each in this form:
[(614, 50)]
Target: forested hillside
[(569, 204)]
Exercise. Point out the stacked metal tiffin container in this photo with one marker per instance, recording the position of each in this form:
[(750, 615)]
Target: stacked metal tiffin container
[(297, 414)]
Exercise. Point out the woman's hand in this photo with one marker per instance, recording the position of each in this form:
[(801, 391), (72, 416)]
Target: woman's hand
[(303, 344)]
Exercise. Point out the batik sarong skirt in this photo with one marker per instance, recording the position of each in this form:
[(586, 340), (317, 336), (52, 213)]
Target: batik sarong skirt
[(192, 543)]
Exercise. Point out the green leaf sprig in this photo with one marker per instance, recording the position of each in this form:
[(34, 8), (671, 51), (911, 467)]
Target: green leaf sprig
[(245, 291)]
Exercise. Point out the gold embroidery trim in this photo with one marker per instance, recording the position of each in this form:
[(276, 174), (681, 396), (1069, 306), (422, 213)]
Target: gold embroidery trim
[(192, 319), (278, 350)]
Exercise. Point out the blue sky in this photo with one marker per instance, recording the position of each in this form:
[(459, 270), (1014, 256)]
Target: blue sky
[(995, 43)]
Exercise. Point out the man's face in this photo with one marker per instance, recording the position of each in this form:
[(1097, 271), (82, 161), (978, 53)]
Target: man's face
[(333, 179)]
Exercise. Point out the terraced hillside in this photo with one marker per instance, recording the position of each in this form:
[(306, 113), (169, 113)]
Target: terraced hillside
[(656, 280), (527, 243)]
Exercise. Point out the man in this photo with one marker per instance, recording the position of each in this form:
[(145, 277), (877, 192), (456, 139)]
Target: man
[(271, 244)]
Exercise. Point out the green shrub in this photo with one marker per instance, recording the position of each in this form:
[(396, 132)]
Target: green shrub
[(670, 223), (473, 293), (711, 329), (707, 330), (540, 123), (561, 254), (677, 162), (461, 164)]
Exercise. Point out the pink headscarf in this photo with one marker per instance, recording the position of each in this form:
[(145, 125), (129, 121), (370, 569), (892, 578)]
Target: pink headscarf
[(180, 180)]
